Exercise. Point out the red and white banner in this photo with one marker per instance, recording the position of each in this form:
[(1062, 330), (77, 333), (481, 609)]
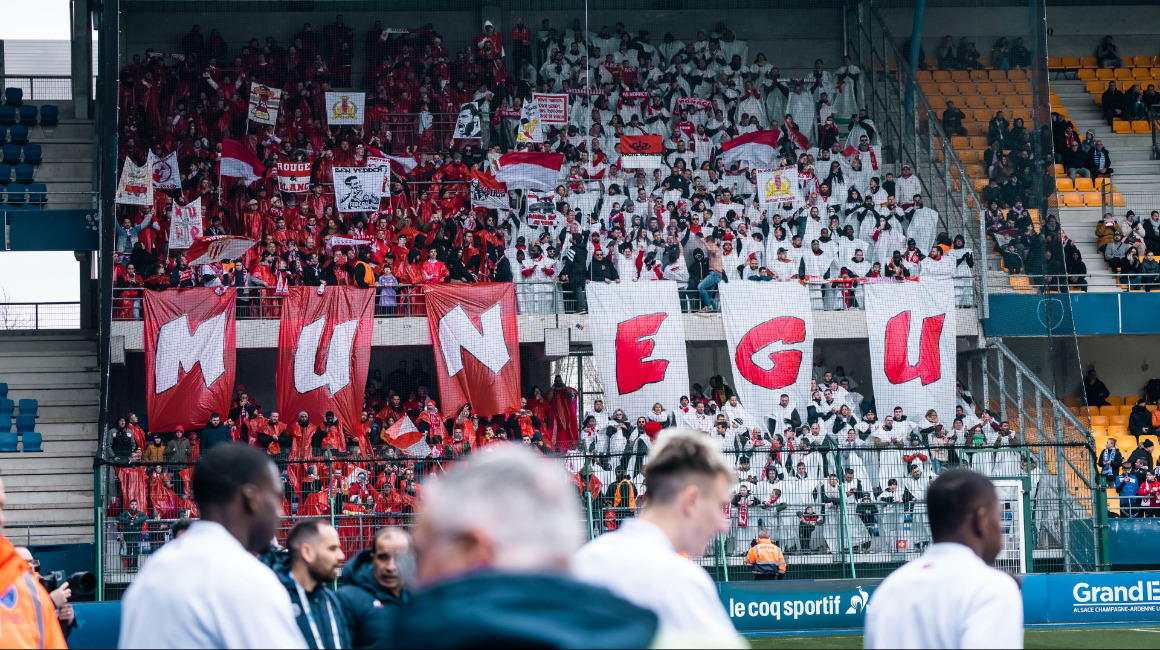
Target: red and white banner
[(240, 162), (189, 356), (756, 147), (641, 151), (771, 348), (590, 92), (476, 336), (324, 352), (486, 192), (694, 101), (638, 342), (207, 250), (166, 173), (541, 209), (911, 329), (405, 436), (265, 102), (186, 224), (553, 107), (529, 170), (294, 177), (135, 187)]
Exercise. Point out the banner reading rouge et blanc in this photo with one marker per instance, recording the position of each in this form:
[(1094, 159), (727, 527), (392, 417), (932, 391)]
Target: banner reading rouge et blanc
[(638, 341), (476, 336), (911, 329), (190, 356), (770, 331), (324, 352)]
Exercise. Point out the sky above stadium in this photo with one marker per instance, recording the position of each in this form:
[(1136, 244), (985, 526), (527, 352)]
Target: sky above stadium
[(38, 277)]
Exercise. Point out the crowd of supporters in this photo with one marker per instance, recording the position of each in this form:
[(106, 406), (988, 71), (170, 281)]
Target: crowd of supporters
[(695, 219)]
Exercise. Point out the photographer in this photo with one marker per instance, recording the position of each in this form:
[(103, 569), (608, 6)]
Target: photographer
[(59, 594), (19, 617)]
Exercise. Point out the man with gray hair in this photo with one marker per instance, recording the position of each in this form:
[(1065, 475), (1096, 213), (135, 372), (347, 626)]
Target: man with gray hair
[(688, 485), (494, 537)]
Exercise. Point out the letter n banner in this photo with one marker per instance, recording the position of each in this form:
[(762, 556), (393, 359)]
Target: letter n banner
[(476, 336), (324, 352), (638, 342), (770, 331), (911, 327), (189, 356)]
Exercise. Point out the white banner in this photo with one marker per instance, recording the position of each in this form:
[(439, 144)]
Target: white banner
[(638, 342), (294, 177), (911, 329), (385, 165), (135, 186), (541, 208), (469, 124), (166, 173), (777, 186), (488, 197), (185, 225), (771, 347), (553, 107), (345, 108), (358, 189), (265, 102), (530, 128)]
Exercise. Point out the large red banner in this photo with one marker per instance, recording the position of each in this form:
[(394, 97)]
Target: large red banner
[(476, 336), (324, 353), (189, 356)]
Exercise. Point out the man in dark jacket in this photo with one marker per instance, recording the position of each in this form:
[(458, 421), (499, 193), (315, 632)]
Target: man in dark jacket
[(214, 433), (311, 560), (577, 271), (1099, 161), (1140, 424), (603, 270), (1143, 453), (1112, 102), (372, 588)]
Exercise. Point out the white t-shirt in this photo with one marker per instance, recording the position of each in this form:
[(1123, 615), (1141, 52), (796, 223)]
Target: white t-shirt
[(219, 596), (638, 563), (978, 606)]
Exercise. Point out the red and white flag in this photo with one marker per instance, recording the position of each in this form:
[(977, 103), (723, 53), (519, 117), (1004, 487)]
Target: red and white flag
[(638, 342), (166, 173), (476, 336), (771, 348), (529, 170), (238, 161), (869, 157), (911, 329), (404, 436), (641, 151), (324, 351), (758, 147), (400, 165), (190, 356), (207, 250), (294, 177)]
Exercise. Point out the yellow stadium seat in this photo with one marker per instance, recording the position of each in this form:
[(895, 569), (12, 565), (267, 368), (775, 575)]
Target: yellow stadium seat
[(996, 75), (985, 87), (942, 75), (1105, 74), (948, 88), (1094, 87), (1059, 170), (960, 75), (1086, 75), (1113, 499), (1064, 185), (1070, 62), (1141, 74), (1142, 61), (1122, 74), (1121, 126), (995, 101), (1088, 62), (1155, 72), (1125, 441), (974, 101), (1101, 440), (1150, 407), (924, 75), (1017, 75), (1101, 182), (1118, 420), (1072, 200), (1084, 184), (1110, 409), (1099, 431), (1100, 420), (1131, 399), (980, 184), (1092, 200), (978, 75), (1054, 62), (969, 157), (960, 142), (930, 88), (1141, 127), (1118, 200), (1115, 430), (979, 142), (1126, 410)]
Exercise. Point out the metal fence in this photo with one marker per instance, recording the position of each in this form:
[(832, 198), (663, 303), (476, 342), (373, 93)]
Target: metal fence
[(44, 87), (40, 316)]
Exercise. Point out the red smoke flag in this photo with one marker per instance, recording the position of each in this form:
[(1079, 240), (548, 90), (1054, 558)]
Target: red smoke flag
[(911, 329), (324, 352), (476, 336), (190, 356)]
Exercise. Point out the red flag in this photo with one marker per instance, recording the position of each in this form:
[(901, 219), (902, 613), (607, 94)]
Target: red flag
[(404, 435), (241, 162), (475, 333), (641, 144), (324, 352), (189, 356)]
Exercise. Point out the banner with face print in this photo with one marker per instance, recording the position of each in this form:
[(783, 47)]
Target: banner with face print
[(358, 189), (469, 124)]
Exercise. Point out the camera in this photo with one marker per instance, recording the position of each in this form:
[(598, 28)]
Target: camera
[(83, 584)]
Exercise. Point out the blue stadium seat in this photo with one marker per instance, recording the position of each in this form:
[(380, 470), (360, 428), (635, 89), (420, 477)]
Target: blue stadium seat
[(32, 153), (11, 154), (7, 407), (24, 173), (9, 442), (7, 115), (27, 114), (29, 407), (3, 134), (17, 194), (5, 423), (5, 175), (18, 134), (3, 390), (49, 115), (25, 423), (37, 196), (13, 97), (33, 442)]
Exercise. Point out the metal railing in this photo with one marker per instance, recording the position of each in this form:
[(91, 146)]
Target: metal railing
[(40, 316), (44, 87)]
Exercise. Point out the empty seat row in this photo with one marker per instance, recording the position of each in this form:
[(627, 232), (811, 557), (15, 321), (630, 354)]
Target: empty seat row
[(30, 196), (993, 102), (22, 172), (27, 406), (968, 88), (972, 75), (13, 153), (1119, 74), (1091, 62), (27, 115), (25, 424)]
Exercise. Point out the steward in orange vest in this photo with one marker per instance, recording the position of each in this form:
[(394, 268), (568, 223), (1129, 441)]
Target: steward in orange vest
[(766, 558)]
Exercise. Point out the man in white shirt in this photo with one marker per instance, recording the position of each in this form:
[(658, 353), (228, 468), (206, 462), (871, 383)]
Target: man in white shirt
[(979, 606), (225, 596), (689, 486)]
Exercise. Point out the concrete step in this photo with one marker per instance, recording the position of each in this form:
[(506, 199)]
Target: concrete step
[(66, 430), (27, 482), (39, 364), (23, 535), (64, 130), (55, 499), (87, 412), (66, 148), (49, 463), (24, 380), (78, 514), (50, 170), (53, 397), (12, 345)]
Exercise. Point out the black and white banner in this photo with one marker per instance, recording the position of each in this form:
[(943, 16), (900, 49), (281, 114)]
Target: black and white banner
[(358, 189), (469, 124)]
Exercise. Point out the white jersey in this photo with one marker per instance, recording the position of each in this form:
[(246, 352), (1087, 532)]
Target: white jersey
[(638, 563), (978, 606)]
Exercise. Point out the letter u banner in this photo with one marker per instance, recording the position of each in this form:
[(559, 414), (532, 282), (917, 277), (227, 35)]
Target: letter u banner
[(189, 356), (911, 328), (476, 335), (638, 341), (324, 352), (770, 331)]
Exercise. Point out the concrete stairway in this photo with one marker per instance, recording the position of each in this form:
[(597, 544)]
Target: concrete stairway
[(68, 158), (50, 494), (1136, 175)]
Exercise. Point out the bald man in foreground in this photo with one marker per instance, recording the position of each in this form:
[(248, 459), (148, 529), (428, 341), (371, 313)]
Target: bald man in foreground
[(952, 596)]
